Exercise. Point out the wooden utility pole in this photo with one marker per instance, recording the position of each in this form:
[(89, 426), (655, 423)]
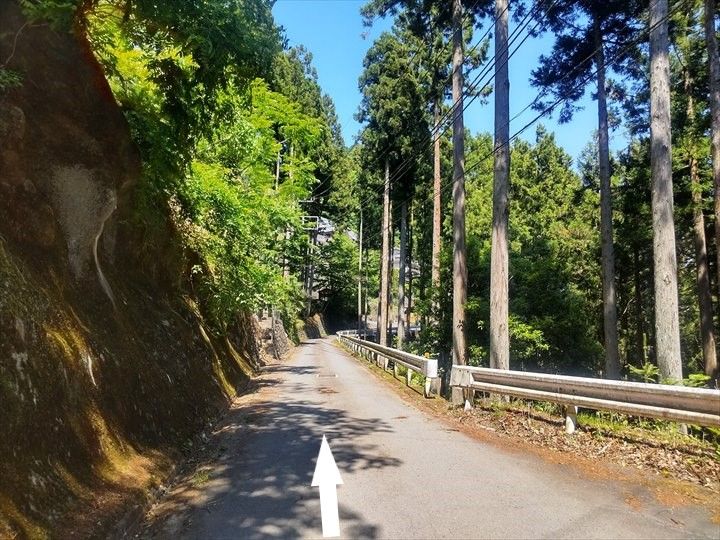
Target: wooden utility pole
[(459, 249), (385, 260), (612, 355), (437, 208), (310, 271), (360, 268), (367, 298), (667, 325), (499, 267), (714, 75)]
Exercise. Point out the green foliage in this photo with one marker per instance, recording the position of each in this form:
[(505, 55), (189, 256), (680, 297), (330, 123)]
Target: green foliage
[(392, 99), (60, 13), (294, 76), (647, 373), (650, 373), (697, 380), (9, 79), (337, 268), (210, 130), (553, 312), (232, 227)]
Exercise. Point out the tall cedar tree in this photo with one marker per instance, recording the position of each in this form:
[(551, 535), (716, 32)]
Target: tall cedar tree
[(689, 119), (590, 34), (431, 22), (499, 255), (714, 79), (667, 323), (391, 98)]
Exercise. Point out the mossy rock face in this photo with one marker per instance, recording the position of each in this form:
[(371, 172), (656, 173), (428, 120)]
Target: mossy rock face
[(67, 158), (89, 392)]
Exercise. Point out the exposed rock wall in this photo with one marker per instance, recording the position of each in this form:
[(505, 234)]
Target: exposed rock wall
[(104, 372), (66, 158)]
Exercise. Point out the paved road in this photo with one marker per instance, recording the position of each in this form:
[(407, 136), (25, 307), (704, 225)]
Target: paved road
[(406, 474)]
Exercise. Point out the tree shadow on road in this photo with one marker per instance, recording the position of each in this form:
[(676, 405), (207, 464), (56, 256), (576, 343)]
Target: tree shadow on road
[(256, 483)]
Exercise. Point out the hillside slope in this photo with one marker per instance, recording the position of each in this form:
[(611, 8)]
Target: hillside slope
[(104, 370)]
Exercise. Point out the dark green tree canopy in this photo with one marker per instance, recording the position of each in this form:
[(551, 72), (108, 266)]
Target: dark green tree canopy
[(567, 71)]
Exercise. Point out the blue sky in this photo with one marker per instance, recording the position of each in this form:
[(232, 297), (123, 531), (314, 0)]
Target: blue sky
[(332, 30)]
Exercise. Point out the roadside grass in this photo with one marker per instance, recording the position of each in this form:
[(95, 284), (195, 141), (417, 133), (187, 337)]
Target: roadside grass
[(609, 424)]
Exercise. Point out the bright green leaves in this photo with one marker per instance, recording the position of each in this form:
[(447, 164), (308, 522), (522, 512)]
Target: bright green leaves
[(231, 226), (337, 270), (233, 210), (225, 158)]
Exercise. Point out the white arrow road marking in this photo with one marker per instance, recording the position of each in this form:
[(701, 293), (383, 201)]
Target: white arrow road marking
[(327, 477)]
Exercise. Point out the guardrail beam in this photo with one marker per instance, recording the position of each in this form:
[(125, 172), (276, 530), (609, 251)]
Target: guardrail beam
[(382, 356)]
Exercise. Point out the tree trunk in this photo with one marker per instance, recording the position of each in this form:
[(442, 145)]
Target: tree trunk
[(612, 357), (459, 249), (707, 332), (391, 274), (359, 279), (437, 209), (385, 259), (409, 271), (639, 320), (667, 326), (714, 71), (402, 275), (499, 296)]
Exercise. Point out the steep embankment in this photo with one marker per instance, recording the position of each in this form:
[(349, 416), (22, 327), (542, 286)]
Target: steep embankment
[(103, 371)]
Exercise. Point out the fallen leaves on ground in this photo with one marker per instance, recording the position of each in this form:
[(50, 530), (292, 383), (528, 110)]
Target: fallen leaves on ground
[(685, 458)]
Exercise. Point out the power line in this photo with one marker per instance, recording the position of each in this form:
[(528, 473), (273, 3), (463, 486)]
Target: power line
[(476, 82), (552, 106), (437, 129), (474, 85)]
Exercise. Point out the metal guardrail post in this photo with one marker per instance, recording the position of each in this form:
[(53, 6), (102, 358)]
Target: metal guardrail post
[(570, 419)]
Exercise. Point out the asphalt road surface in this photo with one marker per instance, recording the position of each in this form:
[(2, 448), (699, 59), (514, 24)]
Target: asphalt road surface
[(406, 474)]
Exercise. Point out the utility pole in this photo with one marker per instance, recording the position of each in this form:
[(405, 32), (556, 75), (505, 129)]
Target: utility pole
[(367, 300), (308, 276), (311, 268), (459, 248), (277, 171)]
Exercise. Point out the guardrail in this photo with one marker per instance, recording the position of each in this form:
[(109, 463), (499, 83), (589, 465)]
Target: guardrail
[(427, 367), (699, 406)]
